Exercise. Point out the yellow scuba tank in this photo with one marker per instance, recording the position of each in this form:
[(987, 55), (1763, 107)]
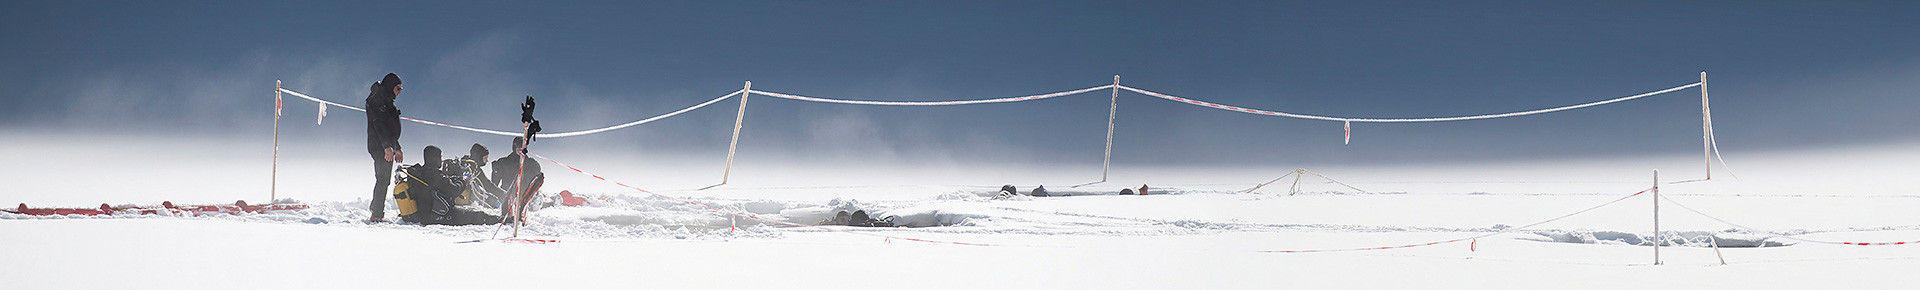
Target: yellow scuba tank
[(406, 191), (403, 199)]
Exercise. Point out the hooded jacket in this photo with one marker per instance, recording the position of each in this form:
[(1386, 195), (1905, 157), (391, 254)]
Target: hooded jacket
[(383, 121), (505, 168)]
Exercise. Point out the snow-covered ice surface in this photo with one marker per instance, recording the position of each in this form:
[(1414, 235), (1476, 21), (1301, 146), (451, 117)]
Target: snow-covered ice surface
[(1190, 240), (1196, 231)]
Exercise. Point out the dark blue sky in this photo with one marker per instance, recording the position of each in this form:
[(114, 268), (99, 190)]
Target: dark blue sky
[(1784, 74)]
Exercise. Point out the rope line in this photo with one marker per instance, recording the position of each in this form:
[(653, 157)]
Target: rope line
[(1397, 120), (1713, 141), (751, 216), (1508, 230), (1026, 98), (1786, 236), (541, 135), (1275, 179), (930, 103), (1335, 181), (304, 96), (642, 121)]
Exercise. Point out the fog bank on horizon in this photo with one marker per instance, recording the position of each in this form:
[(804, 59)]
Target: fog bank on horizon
[(86, 171)]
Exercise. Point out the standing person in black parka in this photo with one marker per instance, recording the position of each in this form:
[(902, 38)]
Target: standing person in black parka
[(383, 140)]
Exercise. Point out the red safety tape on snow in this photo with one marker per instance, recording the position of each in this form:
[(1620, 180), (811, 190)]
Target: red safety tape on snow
[(888, 237), (527, 241), (1878, 244), (165, 208), (1473, 238)]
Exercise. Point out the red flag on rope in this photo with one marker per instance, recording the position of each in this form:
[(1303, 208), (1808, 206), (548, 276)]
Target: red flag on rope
[(1348, 125)]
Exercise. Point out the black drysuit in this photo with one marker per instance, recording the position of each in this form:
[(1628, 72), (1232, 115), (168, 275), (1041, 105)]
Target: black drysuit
[(504, 170), (383, 132)]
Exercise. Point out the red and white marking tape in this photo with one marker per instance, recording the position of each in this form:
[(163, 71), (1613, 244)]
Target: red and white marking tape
[(1348, 136), (165, 208), (528, 241), (325, 103)]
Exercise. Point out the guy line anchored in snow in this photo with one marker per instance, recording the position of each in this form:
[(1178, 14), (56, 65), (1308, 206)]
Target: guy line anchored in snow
[(1786, 236)]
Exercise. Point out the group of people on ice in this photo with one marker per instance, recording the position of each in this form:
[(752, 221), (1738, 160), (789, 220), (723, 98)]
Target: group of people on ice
[(1041, 191), (461, 191), (456, 191)]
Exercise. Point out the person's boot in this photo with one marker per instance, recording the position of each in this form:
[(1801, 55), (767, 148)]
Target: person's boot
[(379, 215)]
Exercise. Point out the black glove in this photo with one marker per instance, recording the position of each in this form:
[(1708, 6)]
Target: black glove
[(526, 111), (532, 128), (526, 117)]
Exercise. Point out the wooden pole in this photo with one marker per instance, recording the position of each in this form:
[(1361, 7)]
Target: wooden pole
[(273, 192), (1113, 108), (1656, 217), (738, 119)]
